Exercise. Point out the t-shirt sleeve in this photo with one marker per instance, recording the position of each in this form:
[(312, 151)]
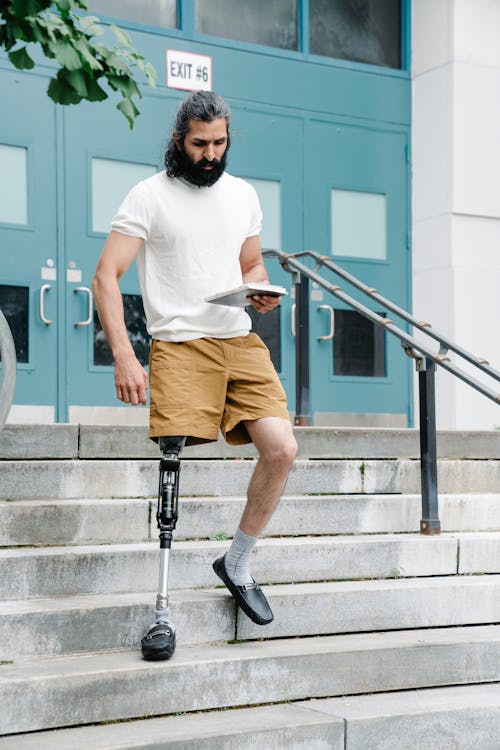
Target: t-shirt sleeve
[(255, 224), (133, 218)]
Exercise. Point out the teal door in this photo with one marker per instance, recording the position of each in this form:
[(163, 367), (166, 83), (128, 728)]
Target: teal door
[(29, 273), (103, 160), (266, 150), (356, 210)]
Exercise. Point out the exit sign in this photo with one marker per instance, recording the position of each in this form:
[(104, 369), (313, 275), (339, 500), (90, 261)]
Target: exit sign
[(188, 71)]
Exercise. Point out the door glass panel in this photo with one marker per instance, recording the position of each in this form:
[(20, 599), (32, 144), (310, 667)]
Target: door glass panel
[(135, 321), (359, 224), (14, 303), (359, 346), (269, 192), (367, 31), (14, 185), (154, 12), (269, 22), (111, 181), (268, 327)]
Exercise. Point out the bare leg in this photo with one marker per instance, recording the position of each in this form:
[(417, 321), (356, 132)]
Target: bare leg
[(273, 437)]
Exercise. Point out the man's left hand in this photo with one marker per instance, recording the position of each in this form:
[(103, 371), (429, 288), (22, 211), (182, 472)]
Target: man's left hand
[(264, 303)]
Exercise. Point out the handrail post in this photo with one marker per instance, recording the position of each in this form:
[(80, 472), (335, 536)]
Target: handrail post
[(430, 523), (302, 404)]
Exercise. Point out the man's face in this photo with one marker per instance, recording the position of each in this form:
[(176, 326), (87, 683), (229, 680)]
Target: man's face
[(204, 151)]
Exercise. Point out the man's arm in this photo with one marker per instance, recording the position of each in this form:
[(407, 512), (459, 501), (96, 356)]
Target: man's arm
[(253, 269), (131, 380)]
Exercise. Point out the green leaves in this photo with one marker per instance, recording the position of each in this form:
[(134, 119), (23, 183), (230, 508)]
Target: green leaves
[(66, 55), (21, 59), (128, 108), (69, 37)]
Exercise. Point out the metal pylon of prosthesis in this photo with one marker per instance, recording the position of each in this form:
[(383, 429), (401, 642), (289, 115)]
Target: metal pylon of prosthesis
[(167, 510)]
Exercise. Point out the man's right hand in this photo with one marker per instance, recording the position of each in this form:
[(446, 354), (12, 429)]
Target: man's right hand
[(131, 380)]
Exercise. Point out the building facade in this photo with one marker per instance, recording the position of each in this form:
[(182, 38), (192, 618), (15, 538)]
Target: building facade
[(321, 99)]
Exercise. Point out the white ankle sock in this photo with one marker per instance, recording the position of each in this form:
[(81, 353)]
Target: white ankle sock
[(237, 558), (164, 616)]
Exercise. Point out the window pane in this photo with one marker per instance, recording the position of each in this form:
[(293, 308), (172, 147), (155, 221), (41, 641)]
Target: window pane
[(14, 303), (111, 181), (135, 321), (367, 31), (268, 327), (13, 185), (359, 346), (269, 192), (153, 12), (359, 224), (269, 22)]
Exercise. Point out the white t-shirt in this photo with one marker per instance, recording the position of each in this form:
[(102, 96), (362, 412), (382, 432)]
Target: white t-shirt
[(192, 241)]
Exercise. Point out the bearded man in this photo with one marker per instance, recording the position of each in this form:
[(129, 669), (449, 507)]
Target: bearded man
[(193, 230)]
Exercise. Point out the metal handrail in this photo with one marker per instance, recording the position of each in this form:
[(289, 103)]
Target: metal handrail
[(425, 361), (9, 362), (427, 328), (411, 343)]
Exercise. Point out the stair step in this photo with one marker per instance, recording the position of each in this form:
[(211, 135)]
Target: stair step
[(460, 717), (69, 691), (120, 478), (49, 522), (65, 571), (101, 521), (54, 626), (106, 441), (83, 624), (280, 727)]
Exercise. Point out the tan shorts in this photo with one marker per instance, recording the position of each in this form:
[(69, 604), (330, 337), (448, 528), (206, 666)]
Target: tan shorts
[(198, 387)]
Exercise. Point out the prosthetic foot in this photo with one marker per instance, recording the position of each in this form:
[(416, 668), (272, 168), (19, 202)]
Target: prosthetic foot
[(159, 643)]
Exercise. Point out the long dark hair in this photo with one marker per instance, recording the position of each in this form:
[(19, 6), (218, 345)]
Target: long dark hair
[(199, 105)]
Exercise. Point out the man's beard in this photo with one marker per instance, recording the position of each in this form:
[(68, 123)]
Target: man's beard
[(193, 171)]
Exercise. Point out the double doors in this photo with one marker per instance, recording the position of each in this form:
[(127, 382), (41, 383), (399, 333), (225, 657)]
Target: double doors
[(68, 170), (342, 190), (335, 188)]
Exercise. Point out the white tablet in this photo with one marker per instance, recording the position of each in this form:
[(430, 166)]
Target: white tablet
[(239, 297)]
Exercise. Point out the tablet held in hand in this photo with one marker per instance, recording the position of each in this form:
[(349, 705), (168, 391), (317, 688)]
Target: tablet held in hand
[(239, 297)]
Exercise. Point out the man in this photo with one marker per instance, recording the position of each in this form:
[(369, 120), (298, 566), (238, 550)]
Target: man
[(193, 230)]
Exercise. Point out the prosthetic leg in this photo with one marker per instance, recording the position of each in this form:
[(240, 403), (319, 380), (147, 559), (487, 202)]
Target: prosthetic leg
[(159, 642)]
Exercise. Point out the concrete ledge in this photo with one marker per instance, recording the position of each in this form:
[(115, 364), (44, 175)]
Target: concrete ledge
[(118, 568), (120, 441), (479, 553), (281, 727), (314, 442), (59, 522), (83, 624), (39, 440), (44, 522), (461, 718), (357, 606), (113, 478), (87, 689), (77, 624), (96, 479)]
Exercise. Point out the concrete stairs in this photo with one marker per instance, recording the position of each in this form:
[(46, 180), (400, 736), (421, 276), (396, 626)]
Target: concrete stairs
[(382, 638)]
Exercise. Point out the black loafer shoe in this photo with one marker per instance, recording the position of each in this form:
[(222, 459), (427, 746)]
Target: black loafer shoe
[(159, 643), (250, 598)]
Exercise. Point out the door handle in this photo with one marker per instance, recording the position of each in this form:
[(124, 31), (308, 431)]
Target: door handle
[(90, 298), (332, 323), (292, 318), (41, 306)]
